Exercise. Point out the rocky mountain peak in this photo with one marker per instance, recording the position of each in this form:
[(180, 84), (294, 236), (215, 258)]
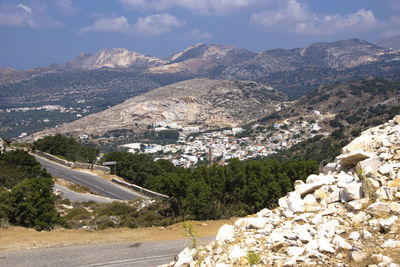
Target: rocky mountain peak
[(111, 58), (349, 214)]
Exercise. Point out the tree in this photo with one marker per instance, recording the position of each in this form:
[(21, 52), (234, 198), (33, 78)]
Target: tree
[(32, 204)]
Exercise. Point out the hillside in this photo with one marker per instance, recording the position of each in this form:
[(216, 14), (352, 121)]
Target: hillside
[(349, 103), (391, 42), (346, 216), (199, 102)]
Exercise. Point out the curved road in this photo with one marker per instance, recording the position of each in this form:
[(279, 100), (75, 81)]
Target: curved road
[(80, 197), (94, 182)]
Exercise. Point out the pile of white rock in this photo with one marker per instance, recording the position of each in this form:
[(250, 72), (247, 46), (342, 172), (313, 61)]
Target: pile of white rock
[(349, 214)]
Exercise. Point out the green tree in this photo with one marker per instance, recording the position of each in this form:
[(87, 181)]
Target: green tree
[(31, 204)]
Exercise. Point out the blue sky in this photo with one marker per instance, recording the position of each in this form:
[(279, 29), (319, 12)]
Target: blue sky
[(40, 32)]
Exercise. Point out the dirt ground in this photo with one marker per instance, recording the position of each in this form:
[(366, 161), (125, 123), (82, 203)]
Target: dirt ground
[(16, 238)]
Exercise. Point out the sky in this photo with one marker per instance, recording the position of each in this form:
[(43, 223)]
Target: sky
[(36, 33)]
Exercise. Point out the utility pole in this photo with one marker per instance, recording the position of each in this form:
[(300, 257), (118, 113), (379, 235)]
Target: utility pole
[(209, 156)]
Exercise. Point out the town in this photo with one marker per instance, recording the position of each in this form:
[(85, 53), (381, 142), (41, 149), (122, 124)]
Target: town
[(195, 147)]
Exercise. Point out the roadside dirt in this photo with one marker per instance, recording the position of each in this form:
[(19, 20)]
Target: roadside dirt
[(17, 238)]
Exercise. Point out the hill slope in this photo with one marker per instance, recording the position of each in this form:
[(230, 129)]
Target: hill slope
[(198, 102)]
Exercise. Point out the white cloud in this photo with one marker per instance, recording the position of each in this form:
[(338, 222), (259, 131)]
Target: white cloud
[(362, 20), (119, 24), (197, 34), (291, 12), (156, 24), (33, 16), (297, 17), (202, 7), (150, 25), (391, 28)]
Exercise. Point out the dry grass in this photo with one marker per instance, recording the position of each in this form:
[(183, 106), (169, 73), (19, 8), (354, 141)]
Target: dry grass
[(15, 238)]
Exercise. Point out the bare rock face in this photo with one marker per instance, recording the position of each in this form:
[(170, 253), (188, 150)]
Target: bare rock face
[(112, 58), (199, 102), (352, 229)]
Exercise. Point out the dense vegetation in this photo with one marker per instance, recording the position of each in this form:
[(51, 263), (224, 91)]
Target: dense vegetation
[(215, 192), (66, 147), (26, 192)]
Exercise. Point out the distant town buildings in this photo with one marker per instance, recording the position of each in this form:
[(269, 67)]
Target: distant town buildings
[(223, 145)]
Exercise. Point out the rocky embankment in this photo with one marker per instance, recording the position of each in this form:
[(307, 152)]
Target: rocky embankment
[(346, 216)]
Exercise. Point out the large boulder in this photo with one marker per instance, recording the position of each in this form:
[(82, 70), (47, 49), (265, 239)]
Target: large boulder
[(379, 209), (352, 191), (351, 159), (225, 233)]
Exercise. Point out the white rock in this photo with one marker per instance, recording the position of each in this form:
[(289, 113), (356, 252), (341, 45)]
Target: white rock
[(276, 237), (387, 170), (343, 179), (264, 213), (282, 202), (378, 209), (312, 178), (305, 189), (317, 219), (358, 256), (225, 233), (360, 217), (288, 213), (294, 202), (330, 167), (352, 191), (356, 205), (340, 243), (328, 229), (309, 200), (354, 236), (385, 156), (394, 208), (241, 222), (320, 179), (302, 217), (236, 252), (312, 246), (303, 235), (352, 158), (325, 246), (295, 251), (185, 257), (361, 142), (370, 165), (290, 262), (366, 235), (256, 222), (382, 259), (391, 244), (333, 196), (375, 184), (386, 225)]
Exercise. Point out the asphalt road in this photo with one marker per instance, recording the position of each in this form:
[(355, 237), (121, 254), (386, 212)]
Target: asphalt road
[(79, 197), (94, 182), (143, 254)]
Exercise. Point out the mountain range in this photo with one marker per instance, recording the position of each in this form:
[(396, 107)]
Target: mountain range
[(112, 76)]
